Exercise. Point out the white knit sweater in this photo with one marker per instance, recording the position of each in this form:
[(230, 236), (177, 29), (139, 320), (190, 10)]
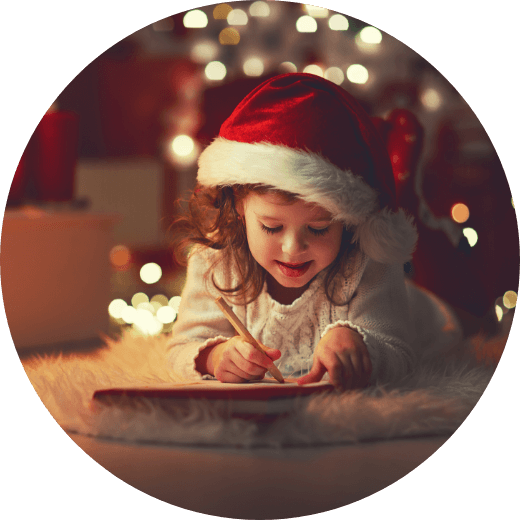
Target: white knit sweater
[(396, 319)]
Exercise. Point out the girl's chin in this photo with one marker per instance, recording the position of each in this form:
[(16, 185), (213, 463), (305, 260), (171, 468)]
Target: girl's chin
[(292, 283)]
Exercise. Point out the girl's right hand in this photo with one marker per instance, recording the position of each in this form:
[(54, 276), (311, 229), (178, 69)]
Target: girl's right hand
[(236, 361)]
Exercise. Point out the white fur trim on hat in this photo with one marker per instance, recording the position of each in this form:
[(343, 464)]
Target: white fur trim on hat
[(383, 235), (387, 237)]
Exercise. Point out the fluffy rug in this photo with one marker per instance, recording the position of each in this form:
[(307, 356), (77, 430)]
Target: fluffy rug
[(435, 399)]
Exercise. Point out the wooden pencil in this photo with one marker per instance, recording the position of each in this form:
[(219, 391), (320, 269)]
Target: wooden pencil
[(245, 334)]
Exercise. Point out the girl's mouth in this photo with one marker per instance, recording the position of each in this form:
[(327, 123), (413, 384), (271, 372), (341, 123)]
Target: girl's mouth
[(293, 270)]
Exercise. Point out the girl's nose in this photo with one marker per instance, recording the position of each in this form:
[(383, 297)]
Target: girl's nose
[(294, 243)]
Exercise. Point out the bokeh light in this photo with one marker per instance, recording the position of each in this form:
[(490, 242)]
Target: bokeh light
[(253, 67), (138, 298), (357, 74), (175, 302), (128, 314), (205, 51), (221, 11), (314, 69), (471, 235), (146, 323), (338, 22), (120, 257), (166, 314), (195, 19), (229, 36), (116, 308), (306, 24), (183, 145), (150, 273), (147, 316), (431, 99), (460, 213), (159, 298), (215, 71), (260, 9), (370, 35), (509, 299), (499, 312), (237, 17), (287, 66), (335, 74)]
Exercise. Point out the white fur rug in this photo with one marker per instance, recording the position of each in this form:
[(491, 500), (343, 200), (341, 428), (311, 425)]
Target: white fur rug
[(435, 399)]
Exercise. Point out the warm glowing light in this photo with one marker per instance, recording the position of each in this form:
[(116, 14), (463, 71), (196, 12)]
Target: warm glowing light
[(499, 312), (116, 308), (260, 9), (183, 150), (166, 314), (154, 306), (195, 19), (287, 66), (357, 74), (237, 17), (203, 52), (128, 314), (314, 69), (335, 74), (512, 203), (183, 145), (215, 70), (306, 24), (431, 99), (509, 299), (175, 302), (460, 213), (147, 307), (471, 235), (120, 256), (160, 299), (138, 298), (145, 322), (253, 67), (316, 12), (150, 273), (229, 36), (370, 35), (338, 22), (221, 11)]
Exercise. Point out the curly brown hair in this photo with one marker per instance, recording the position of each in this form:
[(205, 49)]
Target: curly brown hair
[(211, 220)]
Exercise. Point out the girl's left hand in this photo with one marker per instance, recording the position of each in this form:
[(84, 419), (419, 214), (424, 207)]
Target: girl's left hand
[(343, 354)]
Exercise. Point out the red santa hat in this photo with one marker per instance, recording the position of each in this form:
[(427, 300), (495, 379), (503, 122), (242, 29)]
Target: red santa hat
[(305, 135)]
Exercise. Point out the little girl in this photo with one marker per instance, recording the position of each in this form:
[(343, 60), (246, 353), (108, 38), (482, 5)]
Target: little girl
[(295, 222)]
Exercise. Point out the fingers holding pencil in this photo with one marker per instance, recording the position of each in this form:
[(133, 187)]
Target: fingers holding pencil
[(237, 361), (246, 336)]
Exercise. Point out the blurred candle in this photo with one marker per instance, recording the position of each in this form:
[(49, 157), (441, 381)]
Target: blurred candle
[(57, 149)]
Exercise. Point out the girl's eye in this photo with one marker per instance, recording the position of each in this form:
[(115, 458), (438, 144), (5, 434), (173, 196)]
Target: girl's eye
[(319, 232), (271, 231)]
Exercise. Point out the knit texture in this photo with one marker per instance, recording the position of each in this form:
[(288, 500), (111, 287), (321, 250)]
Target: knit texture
[(392, 316)]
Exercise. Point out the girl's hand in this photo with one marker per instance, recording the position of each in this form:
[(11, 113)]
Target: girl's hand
[(341, 353), (236, 361)]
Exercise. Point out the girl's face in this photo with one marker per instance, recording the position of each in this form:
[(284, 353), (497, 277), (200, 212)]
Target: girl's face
[(292, 241)]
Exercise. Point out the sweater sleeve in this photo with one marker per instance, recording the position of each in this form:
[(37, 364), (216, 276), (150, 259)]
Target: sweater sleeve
[(200, 323), (379, 311)]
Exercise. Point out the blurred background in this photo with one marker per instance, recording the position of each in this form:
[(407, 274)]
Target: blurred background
[(86, 239)]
